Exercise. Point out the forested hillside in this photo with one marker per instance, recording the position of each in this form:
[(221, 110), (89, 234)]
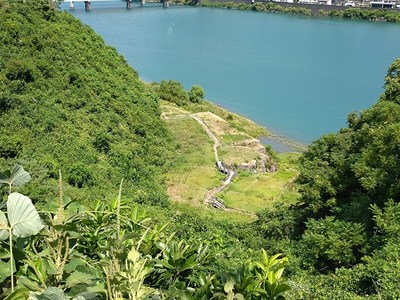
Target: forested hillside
[(68, 101)]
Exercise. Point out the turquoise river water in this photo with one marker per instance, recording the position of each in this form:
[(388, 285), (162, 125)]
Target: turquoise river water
[(298, 76)]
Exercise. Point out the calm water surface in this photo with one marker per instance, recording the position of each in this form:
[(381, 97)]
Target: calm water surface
[(298, 76)]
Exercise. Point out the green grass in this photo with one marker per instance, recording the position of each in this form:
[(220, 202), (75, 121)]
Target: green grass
[(255, 192), (193, 170), (237, 155), (171, 110), (232, 138), (238, 122)]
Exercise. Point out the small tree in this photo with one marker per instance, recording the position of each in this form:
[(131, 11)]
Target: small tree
[(196, 94), (173, 91)]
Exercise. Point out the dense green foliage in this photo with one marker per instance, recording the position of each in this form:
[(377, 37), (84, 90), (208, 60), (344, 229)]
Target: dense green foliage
[(196, 93), (268, 7), (349, 13), (116, 251), (174, 92), (366, 14), (69, 102)]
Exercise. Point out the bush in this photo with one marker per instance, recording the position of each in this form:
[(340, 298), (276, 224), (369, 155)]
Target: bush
[(20, 70), (173, 91), (196, 94), (332, 243), (79, 175)]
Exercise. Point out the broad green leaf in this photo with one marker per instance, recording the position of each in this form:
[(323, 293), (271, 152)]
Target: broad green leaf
[(29, 284), (4, 254), (283, 287), (185, 296), (190, 263), (79, 278), (3, 204), (19, 294), (3, 227), (271, 277), (51, 293), (278, 274), (74, 263), (23, 216), (4, 270), (17, 177)]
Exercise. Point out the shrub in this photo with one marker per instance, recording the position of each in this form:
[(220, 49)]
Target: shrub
[(173, 91), (196, 94)]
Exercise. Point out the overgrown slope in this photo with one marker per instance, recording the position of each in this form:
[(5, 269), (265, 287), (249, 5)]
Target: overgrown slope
[(69, 102)]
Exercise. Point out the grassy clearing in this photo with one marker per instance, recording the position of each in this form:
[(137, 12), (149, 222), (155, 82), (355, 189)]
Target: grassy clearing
[(218, 125), (193, 171), (171, 111), (255, 192), (233, 138), (236, 121), (237, 155)]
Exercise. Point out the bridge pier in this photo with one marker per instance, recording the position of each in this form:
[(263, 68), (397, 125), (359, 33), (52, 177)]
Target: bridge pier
[(128, 4), (166, 4), (87, 5), (142, 2), (71, 4)]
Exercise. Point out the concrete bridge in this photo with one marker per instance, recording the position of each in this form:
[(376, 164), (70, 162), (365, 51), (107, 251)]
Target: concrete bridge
[(88, 3)]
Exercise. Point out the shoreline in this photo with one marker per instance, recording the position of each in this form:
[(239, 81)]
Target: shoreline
[(282, 144), (278, 143)]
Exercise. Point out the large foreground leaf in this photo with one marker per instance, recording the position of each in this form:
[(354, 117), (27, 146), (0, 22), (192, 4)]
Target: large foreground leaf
[(23, 216), (17, 177), (51, 293)]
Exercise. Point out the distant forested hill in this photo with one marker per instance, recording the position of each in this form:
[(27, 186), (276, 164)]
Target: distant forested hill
[(69, 102)]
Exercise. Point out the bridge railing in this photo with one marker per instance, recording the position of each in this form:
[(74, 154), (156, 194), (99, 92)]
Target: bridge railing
[(128, 3)]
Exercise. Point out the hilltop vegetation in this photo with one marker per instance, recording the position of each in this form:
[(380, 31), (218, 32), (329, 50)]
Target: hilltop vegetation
[(68, 101)]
